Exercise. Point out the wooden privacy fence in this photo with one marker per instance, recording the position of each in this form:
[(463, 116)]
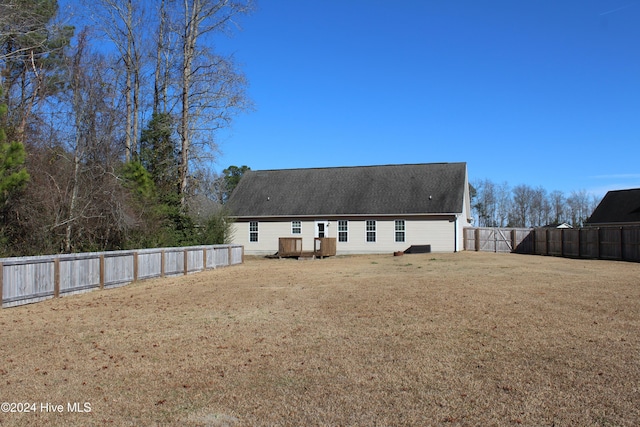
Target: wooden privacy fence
[(611, 243), (25, 280), (487, 239)]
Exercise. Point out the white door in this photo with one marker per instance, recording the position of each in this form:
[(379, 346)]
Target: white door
[(322, 229)]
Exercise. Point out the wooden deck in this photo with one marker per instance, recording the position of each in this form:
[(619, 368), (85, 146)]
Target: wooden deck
[(291, 247)]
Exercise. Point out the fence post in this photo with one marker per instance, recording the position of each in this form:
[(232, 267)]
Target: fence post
[(622, 243), (56, 277), (599, 242), (101, 271), (230, 255), (562, 242), (204, 259), (162, 263), (186, 257), (135, 266), (476, 233)]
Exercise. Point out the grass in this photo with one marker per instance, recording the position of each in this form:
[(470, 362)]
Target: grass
[(473, 339)]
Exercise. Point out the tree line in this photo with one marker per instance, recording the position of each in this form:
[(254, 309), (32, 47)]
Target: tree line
[(500, 205), (106, 127)]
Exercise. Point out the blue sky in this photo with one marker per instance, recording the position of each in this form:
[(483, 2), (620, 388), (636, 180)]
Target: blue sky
[(544, 93)]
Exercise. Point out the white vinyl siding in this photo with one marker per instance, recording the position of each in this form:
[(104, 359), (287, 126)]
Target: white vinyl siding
[(271, 231), (439, 233)]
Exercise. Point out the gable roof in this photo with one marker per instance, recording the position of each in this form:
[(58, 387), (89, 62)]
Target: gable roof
[(620, 206), (432, 188)]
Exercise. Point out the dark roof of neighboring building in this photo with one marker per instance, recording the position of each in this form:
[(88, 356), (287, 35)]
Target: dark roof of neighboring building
[(620, 206), (363, 190)]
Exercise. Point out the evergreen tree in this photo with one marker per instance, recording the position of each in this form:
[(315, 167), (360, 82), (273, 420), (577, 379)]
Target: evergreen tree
[(13, 174), (232, 176), (155, 180), (158, 154)]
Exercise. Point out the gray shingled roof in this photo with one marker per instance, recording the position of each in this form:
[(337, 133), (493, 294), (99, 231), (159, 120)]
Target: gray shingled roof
[(365, 190), (620, 206)]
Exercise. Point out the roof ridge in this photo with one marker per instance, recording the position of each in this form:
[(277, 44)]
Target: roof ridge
[(361, 166), (624, 189)]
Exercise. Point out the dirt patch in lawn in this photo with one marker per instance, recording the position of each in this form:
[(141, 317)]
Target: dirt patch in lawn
[(429, 339)]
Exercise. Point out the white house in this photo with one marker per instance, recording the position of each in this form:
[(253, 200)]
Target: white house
[(368, 209)]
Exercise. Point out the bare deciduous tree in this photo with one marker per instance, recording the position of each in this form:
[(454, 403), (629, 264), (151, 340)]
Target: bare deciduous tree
[(557, 202), (96, 211), (525, 206), (121, 22), (212, 90), (503, 204)]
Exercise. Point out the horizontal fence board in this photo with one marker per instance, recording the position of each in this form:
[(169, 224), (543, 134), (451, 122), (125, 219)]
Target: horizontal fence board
[(118, 269), (149, 265), (79, 274), (195, 260), (25, 280), (24, 283), (221, 256), (237, 255), (174, 262), (211, 258)]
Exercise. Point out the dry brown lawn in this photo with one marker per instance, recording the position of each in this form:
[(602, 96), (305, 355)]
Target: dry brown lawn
[(464, 339)]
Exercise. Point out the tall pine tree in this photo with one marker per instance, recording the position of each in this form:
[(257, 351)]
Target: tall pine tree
[(13, 174)]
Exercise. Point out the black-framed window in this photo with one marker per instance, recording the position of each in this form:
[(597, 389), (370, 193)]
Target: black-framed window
[(296, 227), (401, 230), (371, 231), (343, 230), (253, 231)]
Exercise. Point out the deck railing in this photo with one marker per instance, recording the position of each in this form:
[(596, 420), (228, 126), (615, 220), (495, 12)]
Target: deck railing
[(292, 247)]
